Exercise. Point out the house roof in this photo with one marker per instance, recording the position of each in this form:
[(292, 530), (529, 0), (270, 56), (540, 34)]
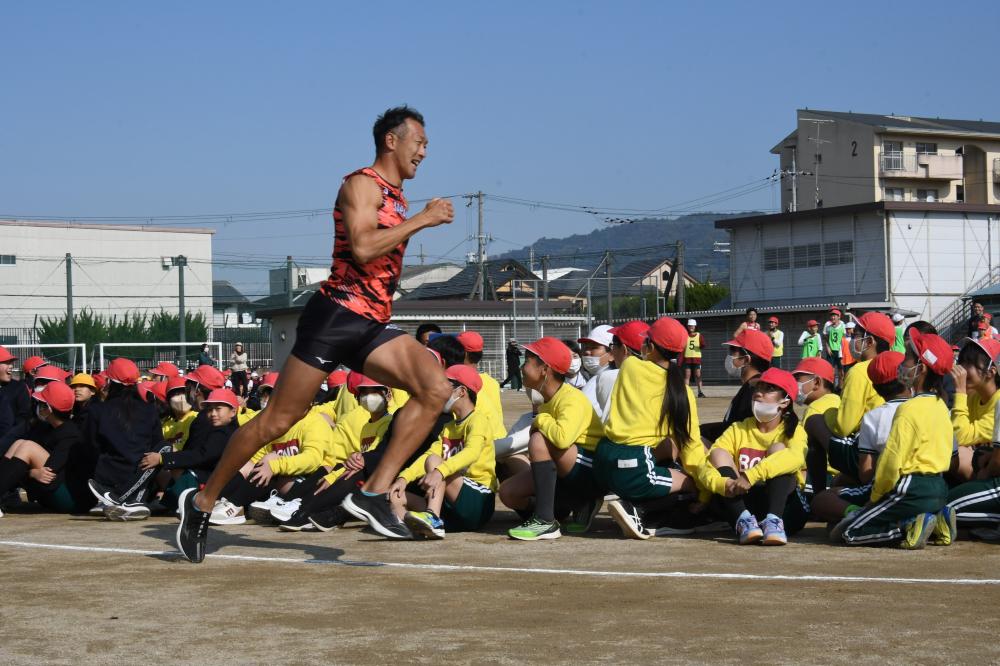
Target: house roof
[(106, 227), (498, 273), (871, 206), (420, 269), (278, 301), (224, 292)]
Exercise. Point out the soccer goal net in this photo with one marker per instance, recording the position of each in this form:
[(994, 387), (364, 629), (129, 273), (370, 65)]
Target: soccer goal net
[(148, 354), (68, 357)]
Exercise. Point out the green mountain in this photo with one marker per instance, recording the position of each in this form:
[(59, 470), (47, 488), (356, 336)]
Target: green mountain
[(640, 239)]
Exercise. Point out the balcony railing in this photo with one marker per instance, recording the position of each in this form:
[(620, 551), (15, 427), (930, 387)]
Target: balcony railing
[(996, 170), (920, 165)]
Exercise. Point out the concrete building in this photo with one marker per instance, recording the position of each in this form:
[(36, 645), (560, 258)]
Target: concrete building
[(861, 157), (115, 269)]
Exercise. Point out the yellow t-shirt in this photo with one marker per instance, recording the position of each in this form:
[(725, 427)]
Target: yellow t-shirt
[(919, 443), (636, 401), (488, 404), (748, 446), (245, 414), (972, 419), (463, 445), (399, 398), (307, 445), (857, 399), (175, 431), (344, 403), (355, 433), (821, 405), (569, 418)]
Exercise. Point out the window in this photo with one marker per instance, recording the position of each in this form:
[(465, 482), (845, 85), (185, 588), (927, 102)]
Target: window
[(927, 195), (8, 259), (926, 148), (808, 256), (893, 194), (960, 193), (837, 253), (776, 258)]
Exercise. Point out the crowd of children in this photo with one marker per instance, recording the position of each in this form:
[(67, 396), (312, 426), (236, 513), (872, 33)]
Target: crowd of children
[(879, 430)]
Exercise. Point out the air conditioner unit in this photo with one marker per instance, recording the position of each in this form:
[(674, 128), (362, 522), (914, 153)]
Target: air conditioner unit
[(167, 262)]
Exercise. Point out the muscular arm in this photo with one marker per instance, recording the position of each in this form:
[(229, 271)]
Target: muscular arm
[(359, 201)]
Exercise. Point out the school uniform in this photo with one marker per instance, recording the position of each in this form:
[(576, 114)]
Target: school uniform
[(176, 431), (623, 459), (870, 440), (68, 492), (972, 419), (857, 398), (908, 479), (122, 430), (465, 446), (15, 407), (302, 450), (355, 433), (568, 419)]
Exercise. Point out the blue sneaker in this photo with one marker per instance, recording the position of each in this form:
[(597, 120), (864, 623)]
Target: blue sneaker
[(945, 527), (917, 530), (747, 529), (774, 531), (425, 524)]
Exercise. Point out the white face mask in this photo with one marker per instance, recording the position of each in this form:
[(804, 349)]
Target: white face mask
[(800, 399), (179, 403), (536, 397), (591, 364), (263, 403), (372, 402), (907, 377), (41, 412), (731, 368), (574, 366), (765, 412), (38, 389), (450, 404), (858, 345)]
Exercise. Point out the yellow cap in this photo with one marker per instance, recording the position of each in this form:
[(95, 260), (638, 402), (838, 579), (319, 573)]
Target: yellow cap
[(83, 379)]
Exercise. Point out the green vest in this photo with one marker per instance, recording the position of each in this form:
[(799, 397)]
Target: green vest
[(810, 347), (898, 345)]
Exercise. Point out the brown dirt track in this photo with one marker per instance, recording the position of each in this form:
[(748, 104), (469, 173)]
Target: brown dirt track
[(67, 606)]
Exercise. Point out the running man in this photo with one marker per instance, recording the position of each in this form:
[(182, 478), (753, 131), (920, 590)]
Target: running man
[(347, 321)]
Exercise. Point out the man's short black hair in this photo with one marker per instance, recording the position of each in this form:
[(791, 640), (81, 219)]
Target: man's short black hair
[(451, 350), (427, 327), (474, 357), (390, 120)]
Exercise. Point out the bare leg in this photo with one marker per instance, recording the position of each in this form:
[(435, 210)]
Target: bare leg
[(404, 363), (297, 384), (517, 490)]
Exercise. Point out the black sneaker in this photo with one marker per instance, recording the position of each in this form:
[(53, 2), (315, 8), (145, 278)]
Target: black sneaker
[(299, 522), (629, 518), (583, 515), (329, 519), (104, 494), (193, 530), (376, 511)]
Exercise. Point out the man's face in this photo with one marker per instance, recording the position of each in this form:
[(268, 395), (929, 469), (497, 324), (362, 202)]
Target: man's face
[(5, 372), (978, 309), (409, 147)]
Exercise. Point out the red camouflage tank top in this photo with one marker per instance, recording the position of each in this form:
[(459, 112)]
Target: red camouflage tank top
[(367, 289)]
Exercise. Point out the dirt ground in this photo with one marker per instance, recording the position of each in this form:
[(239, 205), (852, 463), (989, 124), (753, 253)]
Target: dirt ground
[(81, 589)]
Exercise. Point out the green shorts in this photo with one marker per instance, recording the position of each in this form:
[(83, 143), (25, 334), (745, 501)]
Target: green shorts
[(844, 455), (59, 500), (472, 509), (580, 483), (859, 495), (630, 472), (883, 522)]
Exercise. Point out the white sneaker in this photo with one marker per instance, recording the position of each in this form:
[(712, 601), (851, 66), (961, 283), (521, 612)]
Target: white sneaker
[(284, 510), (97, 510), (261, 511), (226, 513), (126, 512)]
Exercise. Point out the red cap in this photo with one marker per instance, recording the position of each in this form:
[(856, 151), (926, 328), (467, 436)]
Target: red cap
[(782, 379), (207, 376), (32, 363), (175, 383), (145, 390), (436, 355), (668, 333), (471, 341), (884, 368), (123, 371), (991, 346), (756, 342), (165, 369), (988, 316), (982, 326), (933, 351), (812, 322), (336, 378), (101, 379), (554, 353), (268, 380), (836, 311), (879, 325), (631, 333), (356, 380), (52, 373), (466, 376), (6, 356), (58, 396), (815, 366), (222, 396), (774, 319)]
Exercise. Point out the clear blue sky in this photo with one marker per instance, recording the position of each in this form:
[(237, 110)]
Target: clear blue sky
[(143, 109)]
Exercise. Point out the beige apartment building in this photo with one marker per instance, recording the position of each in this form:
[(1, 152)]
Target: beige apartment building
[(835, 158)]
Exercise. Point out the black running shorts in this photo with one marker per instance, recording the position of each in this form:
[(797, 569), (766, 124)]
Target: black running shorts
[(329, 334)]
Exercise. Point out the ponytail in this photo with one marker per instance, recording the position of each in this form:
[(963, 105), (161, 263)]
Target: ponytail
[(676, 410), (791, 421)]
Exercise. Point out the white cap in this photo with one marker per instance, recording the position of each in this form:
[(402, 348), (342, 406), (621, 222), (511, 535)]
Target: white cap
[(849, 324), (898, 317), (692, 322), (600, 335)]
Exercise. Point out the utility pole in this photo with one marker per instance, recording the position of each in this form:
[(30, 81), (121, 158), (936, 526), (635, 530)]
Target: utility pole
[(481, 256), (289, 288), (817, 156), (545, 278), (794, 173), (607, 274), (534, 286), (180, 261), (69, 311), (681, 306), (590, 312)]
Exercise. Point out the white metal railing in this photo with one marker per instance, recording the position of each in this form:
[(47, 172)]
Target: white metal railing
[(996, 170), (897, 161), (953, 316)]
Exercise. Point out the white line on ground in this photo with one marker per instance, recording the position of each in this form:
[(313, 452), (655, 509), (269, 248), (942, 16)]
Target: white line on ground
[(521, 570)]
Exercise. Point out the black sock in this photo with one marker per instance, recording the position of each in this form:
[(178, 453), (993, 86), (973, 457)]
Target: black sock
[(12, 472), (307, 486), (733, 506), (544, 475), (778, 490), (332, 496)]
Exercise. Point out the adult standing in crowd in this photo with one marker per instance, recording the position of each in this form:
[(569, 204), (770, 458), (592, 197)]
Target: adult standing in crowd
[(205, 358), (238, 365), (513, 356), (749, 323), (974, 320)]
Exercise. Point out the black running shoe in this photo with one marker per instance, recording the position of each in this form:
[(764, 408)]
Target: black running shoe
[(376, 511), (629, 518), (583, 515), (329, 519), (193, 530), (299, 522), (104, 494)]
